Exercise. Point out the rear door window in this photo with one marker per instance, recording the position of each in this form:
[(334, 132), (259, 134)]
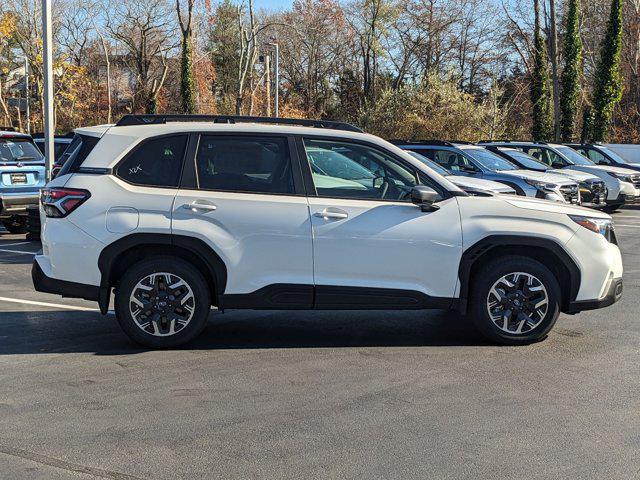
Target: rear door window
[(155, 163), (249, 164)]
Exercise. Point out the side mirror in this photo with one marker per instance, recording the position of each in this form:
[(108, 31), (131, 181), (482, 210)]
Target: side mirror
[(556, 164), (425, 197)]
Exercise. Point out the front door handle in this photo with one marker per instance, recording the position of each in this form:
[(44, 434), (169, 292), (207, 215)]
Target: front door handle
[(200, 205), (333, 213)]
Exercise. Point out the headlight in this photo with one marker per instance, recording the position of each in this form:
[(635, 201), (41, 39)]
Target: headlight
[(624, 177), (542, 185), (603, 226)]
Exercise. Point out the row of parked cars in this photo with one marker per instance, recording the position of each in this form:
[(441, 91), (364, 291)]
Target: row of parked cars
[(591, 175), (170, 215), (588, 175)]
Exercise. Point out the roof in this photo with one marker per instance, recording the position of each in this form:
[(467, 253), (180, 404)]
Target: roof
[(8, 133), (95, 131)]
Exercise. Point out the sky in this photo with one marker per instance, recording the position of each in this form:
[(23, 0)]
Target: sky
[(272, 4)]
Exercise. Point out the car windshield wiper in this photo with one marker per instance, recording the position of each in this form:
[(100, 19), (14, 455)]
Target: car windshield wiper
[(25, 158)]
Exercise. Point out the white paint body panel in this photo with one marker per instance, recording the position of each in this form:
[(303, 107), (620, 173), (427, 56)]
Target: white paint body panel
[(262, 239), (597, 259), (387, 245)]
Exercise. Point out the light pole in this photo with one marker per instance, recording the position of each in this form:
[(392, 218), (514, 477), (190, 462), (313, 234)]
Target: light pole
[(48, 85), (276, 74), (26, 94)]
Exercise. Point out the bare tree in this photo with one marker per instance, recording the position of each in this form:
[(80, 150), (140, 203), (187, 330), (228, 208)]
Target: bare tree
[(145, 29)]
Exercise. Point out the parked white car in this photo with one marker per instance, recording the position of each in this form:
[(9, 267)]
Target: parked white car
[(174, 216), (623, 185)]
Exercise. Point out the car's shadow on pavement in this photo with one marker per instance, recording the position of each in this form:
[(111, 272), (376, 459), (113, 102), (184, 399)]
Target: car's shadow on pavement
[(67, 332)]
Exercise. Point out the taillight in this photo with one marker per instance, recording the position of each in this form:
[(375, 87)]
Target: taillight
[(60, 202)]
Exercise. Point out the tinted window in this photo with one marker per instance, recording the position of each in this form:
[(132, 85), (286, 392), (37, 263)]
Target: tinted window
[(381, 176), (544, 155), (76, 153), (244, 164), (594, 156), (155, 163)]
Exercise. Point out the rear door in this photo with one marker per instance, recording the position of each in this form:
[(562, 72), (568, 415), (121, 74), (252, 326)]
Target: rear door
[(243, 196)]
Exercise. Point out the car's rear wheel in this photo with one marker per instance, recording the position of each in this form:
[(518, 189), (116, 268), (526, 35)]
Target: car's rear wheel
[(162, 302), (15, 225), (515, 300)]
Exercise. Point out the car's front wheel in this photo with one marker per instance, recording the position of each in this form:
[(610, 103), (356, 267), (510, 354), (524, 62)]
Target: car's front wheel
[(515, 300), (162, 302)]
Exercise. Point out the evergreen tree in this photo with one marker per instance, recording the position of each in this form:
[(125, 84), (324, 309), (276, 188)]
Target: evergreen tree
[(187, 82), (571, 74), (542, 128), (607, 90)]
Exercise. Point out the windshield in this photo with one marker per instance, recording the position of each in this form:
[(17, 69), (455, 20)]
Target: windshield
[(334, 164), (429, 163), (527, 161), (489, 160), (616, 158), (573, 156), (18, 150)]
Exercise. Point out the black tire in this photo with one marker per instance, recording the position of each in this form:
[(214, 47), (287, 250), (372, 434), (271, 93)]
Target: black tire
[(175, 266), (612, 208), (15, 225), (485, 279)]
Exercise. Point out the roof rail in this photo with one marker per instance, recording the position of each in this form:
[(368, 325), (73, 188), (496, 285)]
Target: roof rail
[(7, 129), (233, 119), (441, 143)]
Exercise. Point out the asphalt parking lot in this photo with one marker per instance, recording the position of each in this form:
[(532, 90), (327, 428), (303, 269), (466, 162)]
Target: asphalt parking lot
[(315, 395)]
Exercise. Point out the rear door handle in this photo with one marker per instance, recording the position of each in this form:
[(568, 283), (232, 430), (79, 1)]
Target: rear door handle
[(333, 213), (200, 205)]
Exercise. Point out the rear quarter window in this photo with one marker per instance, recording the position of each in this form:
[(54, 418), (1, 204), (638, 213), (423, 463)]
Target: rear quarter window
[(156, 162), (77, 151)]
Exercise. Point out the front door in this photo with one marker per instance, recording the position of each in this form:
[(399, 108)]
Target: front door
[(371, 246), (246, 206)]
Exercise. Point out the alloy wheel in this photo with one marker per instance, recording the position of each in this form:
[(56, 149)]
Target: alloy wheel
[(517, 303), (162, 304)]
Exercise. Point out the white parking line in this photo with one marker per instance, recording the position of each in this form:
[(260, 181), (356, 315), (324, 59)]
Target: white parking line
[(13, 244), (46, 304), (627, 226), (17, 251)]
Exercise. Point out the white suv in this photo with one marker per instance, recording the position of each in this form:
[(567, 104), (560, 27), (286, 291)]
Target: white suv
[(176, 214)]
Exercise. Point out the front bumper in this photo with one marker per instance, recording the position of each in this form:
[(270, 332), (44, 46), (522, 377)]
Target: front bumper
[(612, 295), (593, 194), (45, 284), (624, 199), (17, 203)]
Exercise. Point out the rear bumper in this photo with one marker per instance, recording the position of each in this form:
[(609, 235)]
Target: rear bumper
[(612, 295), (17, 203), (45, 284)]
